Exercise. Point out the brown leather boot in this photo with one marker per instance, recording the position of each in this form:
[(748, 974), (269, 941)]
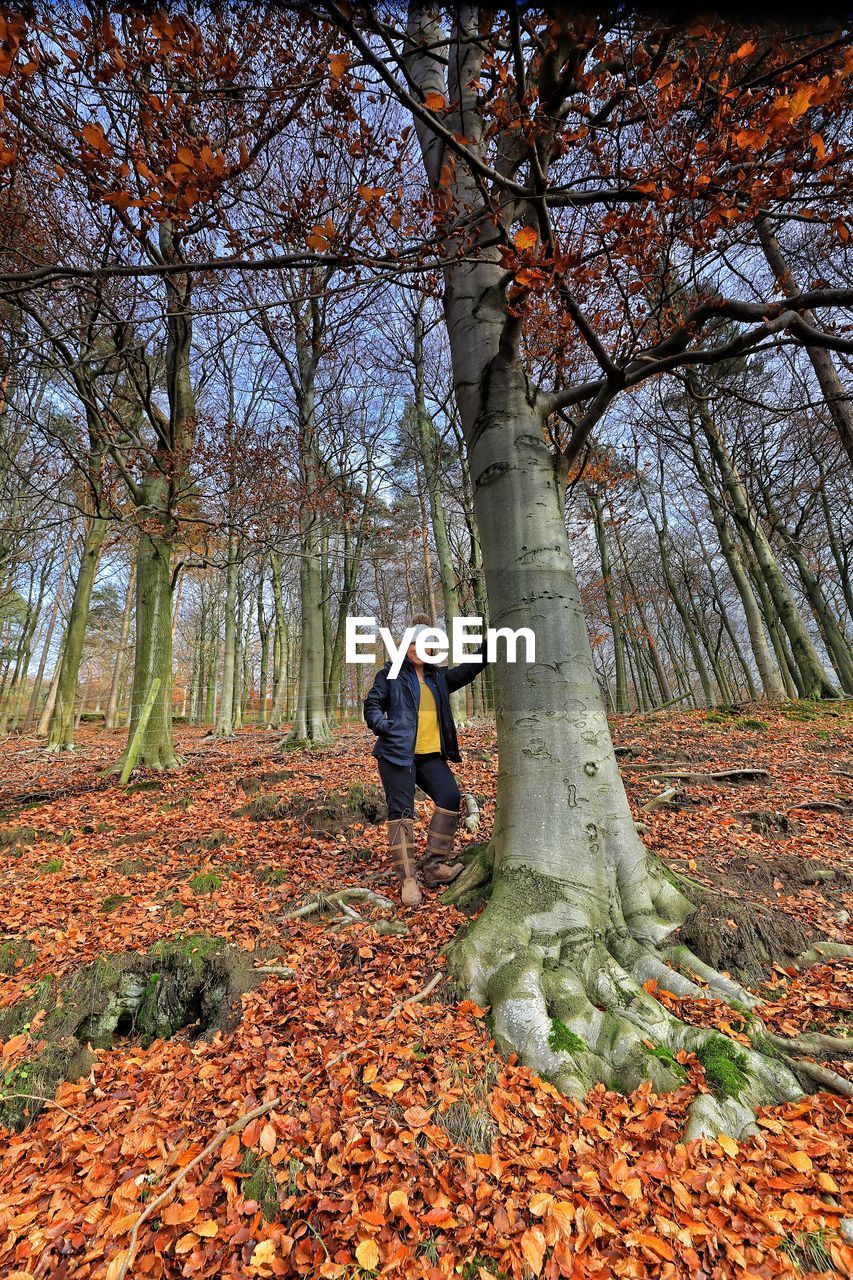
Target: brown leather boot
[(401, 843), (437, 868)]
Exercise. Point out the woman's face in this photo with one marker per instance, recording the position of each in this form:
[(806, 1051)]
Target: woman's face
[(412, 655)]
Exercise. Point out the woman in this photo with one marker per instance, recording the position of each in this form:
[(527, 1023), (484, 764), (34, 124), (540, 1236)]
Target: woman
[(415, 737)]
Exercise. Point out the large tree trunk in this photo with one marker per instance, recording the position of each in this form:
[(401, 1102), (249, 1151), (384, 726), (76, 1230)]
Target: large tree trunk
[(578, 909), (153, 648)]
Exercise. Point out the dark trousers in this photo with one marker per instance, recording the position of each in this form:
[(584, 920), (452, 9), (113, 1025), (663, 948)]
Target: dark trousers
[(431, 773)]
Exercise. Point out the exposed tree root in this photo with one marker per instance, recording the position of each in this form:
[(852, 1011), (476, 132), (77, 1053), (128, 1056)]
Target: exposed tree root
[(823, 951), (470, 889), (573, 1003), (663, 801), (337, 908), (721, 775)]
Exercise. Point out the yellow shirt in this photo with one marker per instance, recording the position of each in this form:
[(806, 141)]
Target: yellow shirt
[(428, 739)]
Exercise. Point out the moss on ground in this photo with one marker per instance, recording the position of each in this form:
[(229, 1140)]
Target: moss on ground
[(274, 875), (113, 901), (260, 1185), (16, 953), (15, 837), (206, 882), (191, 981), (327, 814)]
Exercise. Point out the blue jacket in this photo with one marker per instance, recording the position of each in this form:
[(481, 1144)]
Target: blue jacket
[(391, 707)]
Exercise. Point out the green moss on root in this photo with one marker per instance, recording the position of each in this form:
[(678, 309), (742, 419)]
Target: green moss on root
[(562, 1040), (667, 1057), (724, 1065)]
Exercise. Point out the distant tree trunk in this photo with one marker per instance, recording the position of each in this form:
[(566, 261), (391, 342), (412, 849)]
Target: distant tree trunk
[(661, 678), (840, 554), (832, 633), (621, 698), (770, 681), (264, 634), (725, 621), (837, 399), (225, 719), (30, 716), (429, 588), (814, 678), (156, 499), (212, 665), (61, 732), (353, 548), (153, 647), (280, 651), (112, 702), (310, 722), (13, 707), (50, 700), (662, 532)]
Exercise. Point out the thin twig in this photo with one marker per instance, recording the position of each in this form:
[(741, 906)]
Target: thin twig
[(49, 1102)]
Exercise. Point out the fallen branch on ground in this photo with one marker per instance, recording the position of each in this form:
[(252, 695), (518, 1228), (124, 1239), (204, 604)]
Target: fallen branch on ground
[(662, 801), (721, 775), (327, 903)]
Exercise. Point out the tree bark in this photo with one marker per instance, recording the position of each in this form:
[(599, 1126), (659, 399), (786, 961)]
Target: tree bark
[(156, 500), (153, 647), (279, 704)]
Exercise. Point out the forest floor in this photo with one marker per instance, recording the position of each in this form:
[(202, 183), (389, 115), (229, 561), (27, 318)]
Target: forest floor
[(396, 1142)]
